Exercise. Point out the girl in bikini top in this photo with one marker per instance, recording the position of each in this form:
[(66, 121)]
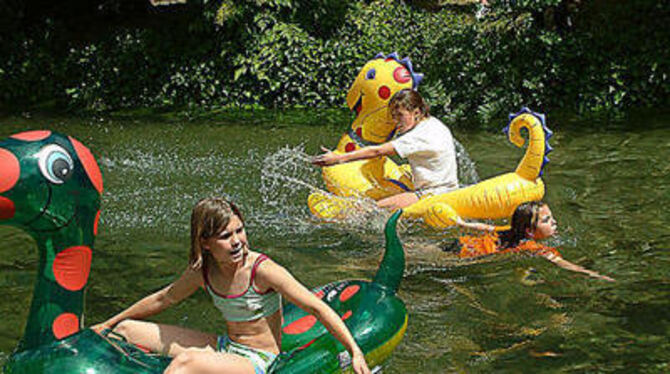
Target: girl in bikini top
[(218, 239), (249, 305)]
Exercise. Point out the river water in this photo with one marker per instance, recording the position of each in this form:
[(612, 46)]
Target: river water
[(608, 186)]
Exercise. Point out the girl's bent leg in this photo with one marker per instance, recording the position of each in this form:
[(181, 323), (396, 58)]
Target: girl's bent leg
[(199, 361), (166, 339), (398, 201)]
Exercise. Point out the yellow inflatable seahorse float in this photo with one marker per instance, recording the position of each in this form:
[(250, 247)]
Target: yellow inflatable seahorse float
[(377, 178), (496, 197), (369, 95)]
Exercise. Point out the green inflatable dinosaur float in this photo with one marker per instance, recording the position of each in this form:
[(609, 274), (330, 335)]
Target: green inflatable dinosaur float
[(50, 186)]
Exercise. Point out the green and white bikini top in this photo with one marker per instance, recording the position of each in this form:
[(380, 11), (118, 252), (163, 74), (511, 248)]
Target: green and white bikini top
[(249, 305)]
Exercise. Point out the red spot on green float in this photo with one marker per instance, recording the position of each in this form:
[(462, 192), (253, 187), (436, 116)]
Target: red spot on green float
[(384, 92), (90, 165), (65, 325), (320, 294), (346, 315), (95, 223), (350, 147), (32, 136), (7, 208), (300, 325), (10, 170), (349, 292), (72, 266)]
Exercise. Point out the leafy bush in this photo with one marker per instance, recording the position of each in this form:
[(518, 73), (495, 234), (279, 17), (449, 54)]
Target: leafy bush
[(547, 54)]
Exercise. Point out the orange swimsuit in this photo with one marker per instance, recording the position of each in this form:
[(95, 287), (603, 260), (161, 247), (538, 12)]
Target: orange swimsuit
[(488, 244)]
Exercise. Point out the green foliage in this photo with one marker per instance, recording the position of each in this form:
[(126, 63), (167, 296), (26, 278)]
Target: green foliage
[(546, 54), (519, 58), (100, 73), (27, 67)]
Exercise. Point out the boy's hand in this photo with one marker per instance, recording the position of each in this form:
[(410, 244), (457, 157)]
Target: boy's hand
[(326, 159)]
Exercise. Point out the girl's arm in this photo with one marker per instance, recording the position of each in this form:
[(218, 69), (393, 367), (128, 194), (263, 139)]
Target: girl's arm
[(565, 264), (332, 158), (276, 277), (475, 225), (160, 300)]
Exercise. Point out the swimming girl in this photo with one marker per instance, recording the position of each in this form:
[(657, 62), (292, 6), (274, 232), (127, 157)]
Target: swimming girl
[(246, 286), (423, 140), (530, 222)]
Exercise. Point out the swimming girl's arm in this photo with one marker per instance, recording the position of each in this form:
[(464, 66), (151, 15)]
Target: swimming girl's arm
[(565, 264), (475, 225), (279, 279), (332, 158), (160, 300)]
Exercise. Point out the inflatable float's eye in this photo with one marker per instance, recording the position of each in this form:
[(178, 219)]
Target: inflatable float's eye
[(401, 75), (370, 74), (55, 163)]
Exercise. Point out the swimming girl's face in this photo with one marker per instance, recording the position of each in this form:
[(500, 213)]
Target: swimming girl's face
[(546, 226), (405, 119), (230, 245)]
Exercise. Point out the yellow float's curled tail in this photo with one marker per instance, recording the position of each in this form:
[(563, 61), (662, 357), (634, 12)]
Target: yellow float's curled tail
[(530, 167), (497, 197)]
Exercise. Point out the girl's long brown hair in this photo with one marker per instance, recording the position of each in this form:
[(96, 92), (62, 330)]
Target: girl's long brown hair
[(524, 220), (209, 217)]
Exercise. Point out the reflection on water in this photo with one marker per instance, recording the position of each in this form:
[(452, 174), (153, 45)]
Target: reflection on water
[(607, 188)]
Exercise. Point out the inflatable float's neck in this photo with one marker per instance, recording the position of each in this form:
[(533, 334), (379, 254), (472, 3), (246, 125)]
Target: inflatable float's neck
[(369, 95), (532, 165), (392, 266), (50, 187), (58, 297)]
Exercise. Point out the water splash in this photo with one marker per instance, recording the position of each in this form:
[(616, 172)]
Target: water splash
[(155, 188), (467, 170), (288, 178)]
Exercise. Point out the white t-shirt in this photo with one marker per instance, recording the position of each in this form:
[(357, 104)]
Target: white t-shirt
[(429, 148)]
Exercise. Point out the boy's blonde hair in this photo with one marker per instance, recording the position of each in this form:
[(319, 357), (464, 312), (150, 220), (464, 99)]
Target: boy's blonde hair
[(209, 217)]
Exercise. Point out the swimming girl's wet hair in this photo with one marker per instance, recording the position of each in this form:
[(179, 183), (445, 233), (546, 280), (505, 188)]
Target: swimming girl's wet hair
[(210, 216), (409, 100), (524, 220)]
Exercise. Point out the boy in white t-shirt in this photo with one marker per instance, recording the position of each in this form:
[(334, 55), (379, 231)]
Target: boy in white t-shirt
[(423, 140)]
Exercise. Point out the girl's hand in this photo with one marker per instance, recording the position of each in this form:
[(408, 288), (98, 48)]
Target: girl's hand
[(603, 277), (358, 363), (326, 159), (100, 327)]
